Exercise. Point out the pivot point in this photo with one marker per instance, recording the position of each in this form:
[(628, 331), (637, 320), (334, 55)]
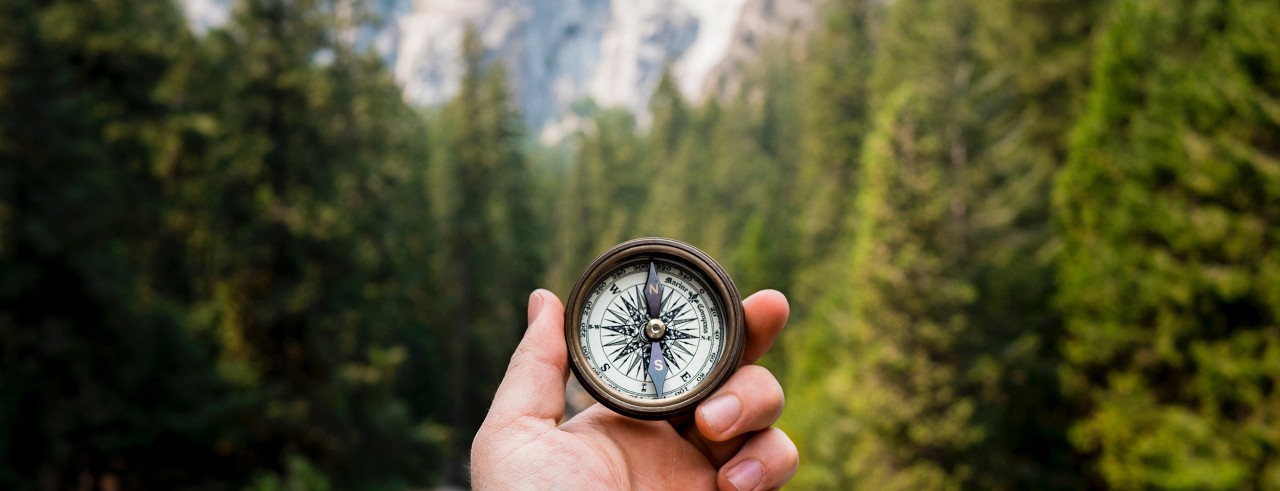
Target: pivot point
[(655, 329)]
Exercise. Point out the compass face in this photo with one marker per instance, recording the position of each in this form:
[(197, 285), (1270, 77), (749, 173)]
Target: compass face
[(653, 326), (614, 319)]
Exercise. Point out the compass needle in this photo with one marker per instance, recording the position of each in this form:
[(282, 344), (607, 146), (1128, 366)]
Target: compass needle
[(653, 293), (657, 368), (655, 330)]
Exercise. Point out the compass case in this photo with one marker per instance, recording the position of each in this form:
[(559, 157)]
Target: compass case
[(726, 300)]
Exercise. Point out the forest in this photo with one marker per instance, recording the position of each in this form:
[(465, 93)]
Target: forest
[(1028, 244)]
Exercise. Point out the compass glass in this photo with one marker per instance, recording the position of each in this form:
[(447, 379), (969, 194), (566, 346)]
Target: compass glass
[(653, 327), (613, 322)]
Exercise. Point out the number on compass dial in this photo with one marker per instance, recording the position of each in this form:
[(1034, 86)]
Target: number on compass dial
[(617, 314)]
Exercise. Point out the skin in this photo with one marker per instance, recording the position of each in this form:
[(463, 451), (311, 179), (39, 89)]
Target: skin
[(728, 444)]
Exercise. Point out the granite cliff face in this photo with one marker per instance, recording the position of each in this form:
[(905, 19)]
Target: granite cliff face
[(561, 52)]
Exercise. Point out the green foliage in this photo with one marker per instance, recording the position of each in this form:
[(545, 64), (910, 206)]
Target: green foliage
[(602, 195), (708, 175), (1169, 274), (756, 175), (96, 365), (835, 101), (200, 251), (291, 242), (239, 260), (299, 475), (945, 376), (488, 259), (677, 166)]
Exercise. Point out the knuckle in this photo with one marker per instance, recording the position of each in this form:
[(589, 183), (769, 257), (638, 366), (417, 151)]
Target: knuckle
[(480, 445), (760, 385), (775, 389), (761, 376), (789, 453), (755, 371), (522, 352)]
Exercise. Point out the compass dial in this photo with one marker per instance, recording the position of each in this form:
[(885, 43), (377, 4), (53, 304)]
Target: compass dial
[(616, 347), (653, 327)]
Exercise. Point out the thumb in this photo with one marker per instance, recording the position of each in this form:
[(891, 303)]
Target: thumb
[(534, 383)]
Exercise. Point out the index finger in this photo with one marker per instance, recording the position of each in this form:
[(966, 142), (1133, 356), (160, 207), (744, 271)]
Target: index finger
[(766, 313)]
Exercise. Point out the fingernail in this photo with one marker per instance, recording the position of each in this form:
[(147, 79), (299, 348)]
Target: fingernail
[(535, 305), (746, 475), (720, 413)]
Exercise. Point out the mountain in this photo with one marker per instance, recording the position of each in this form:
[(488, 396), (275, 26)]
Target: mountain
[(559, 53)]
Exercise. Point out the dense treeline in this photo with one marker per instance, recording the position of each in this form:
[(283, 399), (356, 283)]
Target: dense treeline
[(1170, 273), (230, 260), (1028, 244)]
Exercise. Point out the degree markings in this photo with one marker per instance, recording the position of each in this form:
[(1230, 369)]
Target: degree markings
[(620, 332)]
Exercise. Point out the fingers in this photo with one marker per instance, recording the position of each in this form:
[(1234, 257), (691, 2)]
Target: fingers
[(763, 460), (767, 461), (534, 383), (750, 401), (766, 312)]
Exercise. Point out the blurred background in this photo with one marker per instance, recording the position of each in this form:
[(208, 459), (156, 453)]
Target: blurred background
[(287, 244)]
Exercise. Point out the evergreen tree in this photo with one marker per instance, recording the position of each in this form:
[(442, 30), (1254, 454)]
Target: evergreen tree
[(101, 384), (835, 100), (678, 157), (835, 97), (607, 187), (754, 172), (670, 119), (1169, 275), (280, 208), (488, 254), (946, 375), (905, 410)]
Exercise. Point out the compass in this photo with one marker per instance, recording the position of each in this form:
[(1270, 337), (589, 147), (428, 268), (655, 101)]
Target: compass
[(653, 327)]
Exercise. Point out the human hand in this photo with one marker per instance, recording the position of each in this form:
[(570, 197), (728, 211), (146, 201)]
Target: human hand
[(729, 443)]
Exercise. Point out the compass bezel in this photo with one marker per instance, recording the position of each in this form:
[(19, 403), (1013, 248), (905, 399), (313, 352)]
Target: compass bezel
[(727, 301)]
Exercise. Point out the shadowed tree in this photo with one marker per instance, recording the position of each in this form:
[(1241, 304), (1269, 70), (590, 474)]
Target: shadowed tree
[(488, 256)]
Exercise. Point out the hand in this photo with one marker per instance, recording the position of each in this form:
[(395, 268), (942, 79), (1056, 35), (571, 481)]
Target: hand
[(729, 443)]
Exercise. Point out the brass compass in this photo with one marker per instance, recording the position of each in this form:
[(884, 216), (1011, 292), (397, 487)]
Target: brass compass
[(653, 327)]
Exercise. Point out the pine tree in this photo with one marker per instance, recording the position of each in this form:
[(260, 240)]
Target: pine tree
[(670, 117), (603, 195), (836, 102), (754, 174), (101, 384), (489, 236), (835, 98), (905, 410), (1169, 275), (280, 206), (677, 159), (945, 375)]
